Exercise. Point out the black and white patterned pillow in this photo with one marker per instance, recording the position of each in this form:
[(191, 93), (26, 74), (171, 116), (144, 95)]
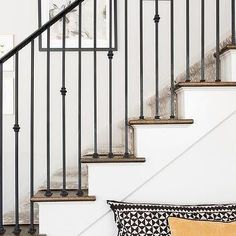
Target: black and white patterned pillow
[(152, 219)]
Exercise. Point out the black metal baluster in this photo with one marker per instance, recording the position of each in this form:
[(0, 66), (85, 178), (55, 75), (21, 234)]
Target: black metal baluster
[(16, 129), (156, 20), (64, 192), (172, 116), (126, 154), (95, 154), (218, 41), (32, 229), (79, 191), (202, 41), (141, 60), (187, 79), (115, 23), (233, 22), (2, 230), (48, 192), (110, 57)]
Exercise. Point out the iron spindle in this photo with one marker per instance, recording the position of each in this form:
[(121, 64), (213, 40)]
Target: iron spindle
[(110, 57), (233, 22), (48, 192), (64, 192), (126, 154), (79, 192), (172, 116), (156, 20), (95, 154), (32, 229), (16, 129), (141, 60), (2, 230), (187, 79), (115, 22), (202, 41), (218, 41)]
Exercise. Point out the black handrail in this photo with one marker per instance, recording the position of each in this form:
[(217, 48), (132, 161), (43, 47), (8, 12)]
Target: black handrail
[(38, 32)]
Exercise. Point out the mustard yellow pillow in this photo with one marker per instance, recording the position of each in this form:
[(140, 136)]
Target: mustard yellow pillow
[(183, 227)]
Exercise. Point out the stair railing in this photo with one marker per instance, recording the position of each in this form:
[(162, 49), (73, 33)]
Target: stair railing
[(46, 28), (15, 53), (187, 52)]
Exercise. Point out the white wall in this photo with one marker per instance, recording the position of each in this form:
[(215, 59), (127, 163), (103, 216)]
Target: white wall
[(20, 18)]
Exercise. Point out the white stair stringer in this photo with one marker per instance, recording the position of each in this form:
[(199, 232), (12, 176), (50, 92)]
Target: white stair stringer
[(209, 107), (202, 174)]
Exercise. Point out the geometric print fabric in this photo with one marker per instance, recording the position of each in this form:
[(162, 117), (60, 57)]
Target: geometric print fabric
[(152, 219)]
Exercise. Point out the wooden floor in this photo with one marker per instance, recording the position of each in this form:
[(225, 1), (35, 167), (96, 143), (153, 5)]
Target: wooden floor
[(151, 121), (56, 197), (116, 159), (24, 231), (205, 84)]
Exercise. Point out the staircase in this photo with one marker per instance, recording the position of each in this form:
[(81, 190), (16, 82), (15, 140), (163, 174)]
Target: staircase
[(195, 76), (168, 143)]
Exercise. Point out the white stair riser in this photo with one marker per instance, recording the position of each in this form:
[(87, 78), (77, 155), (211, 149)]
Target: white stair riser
[(160, 145), (228, 62), (206, 104)]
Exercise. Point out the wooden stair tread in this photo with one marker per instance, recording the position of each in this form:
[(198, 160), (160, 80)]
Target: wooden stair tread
[(150, 121), (227, 48), (24, 230), (116, 159), (56, 197), (205, 84)]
